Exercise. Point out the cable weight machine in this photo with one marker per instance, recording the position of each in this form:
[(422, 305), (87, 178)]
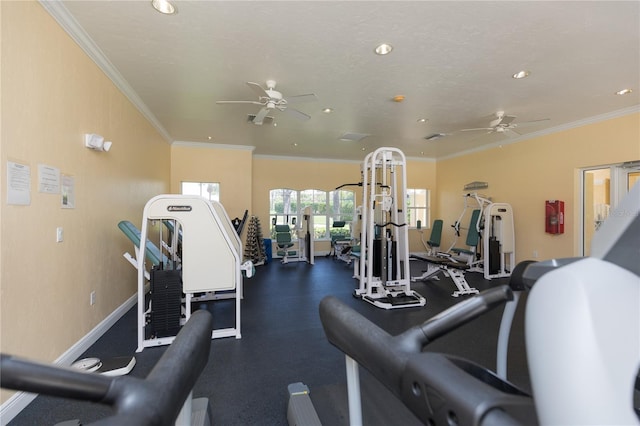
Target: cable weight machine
[(384, 278)]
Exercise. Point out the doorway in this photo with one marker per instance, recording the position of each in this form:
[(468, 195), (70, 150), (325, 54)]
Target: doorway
[(602, 189)]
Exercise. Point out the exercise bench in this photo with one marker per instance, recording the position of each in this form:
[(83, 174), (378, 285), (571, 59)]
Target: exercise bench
[(450, 267)]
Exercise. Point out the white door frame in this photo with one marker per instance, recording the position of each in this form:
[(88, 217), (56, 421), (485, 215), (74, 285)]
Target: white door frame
[(619, 173)]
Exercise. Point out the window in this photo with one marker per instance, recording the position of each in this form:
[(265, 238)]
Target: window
[(341, 207), (208, 190), (283, 206), (334, 206), (326, 208), (317, 201), (418, 207)]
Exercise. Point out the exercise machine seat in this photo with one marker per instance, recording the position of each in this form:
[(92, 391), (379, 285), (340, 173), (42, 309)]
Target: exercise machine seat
[(283, 240), (473, 235), (436, 234)]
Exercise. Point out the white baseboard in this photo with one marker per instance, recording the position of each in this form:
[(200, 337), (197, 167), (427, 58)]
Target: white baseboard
[(19, 401)]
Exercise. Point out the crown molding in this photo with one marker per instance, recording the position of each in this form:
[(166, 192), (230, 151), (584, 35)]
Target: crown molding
[(309, 159), (567, 126), (61, 14), (210, 145)]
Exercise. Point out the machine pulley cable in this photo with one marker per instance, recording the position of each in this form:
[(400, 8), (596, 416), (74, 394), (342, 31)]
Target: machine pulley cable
[(397, 225), (349, 184)]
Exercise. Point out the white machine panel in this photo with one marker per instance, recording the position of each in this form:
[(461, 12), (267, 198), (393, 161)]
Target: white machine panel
[(210, 259)]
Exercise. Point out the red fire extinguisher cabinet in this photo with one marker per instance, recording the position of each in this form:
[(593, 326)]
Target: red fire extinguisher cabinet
[(554, 217)]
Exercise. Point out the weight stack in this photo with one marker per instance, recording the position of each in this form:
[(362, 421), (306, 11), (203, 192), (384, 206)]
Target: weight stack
[(494, 255), (166, 294)]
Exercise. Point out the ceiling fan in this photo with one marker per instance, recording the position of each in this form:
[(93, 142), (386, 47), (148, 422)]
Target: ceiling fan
[(270, 100), (504, 124)]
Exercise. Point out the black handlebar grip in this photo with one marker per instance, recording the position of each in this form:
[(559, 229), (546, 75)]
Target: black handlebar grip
[(385, 356)]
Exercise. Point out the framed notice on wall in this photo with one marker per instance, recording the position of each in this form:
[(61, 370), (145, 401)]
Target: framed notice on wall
[(48, 179), (18, 184), (68, 192)]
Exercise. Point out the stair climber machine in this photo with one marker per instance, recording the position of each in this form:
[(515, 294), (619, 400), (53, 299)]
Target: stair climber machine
[(384, 276)]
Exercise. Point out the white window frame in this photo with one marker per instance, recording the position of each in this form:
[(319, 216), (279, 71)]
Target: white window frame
[(208, 190), (320, 219), (425, 208)]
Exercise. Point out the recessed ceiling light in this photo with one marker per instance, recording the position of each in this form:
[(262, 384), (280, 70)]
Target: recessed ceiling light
[(521, 74), (422, 120), (209, 137), (163, 6), (624, 92), (384, 49), (398, 98), (294, 144), (327, 110)]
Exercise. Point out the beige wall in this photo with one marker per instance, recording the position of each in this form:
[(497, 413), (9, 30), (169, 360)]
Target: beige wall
[(525, 174), (52, 93), (231, 167)]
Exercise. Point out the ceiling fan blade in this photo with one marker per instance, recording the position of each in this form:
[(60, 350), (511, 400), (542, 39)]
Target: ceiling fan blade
[(310, 97), (297, 114), (507, 119), (529, 123), (258, 89), (260, 116), (241, 102), (479, 128)]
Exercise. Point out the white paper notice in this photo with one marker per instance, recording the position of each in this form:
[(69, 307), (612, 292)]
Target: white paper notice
[(48, 179), (68, 192), (18, 184)]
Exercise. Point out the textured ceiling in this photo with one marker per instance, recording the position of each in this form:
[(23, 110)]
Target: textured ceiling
[(452, 61)]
